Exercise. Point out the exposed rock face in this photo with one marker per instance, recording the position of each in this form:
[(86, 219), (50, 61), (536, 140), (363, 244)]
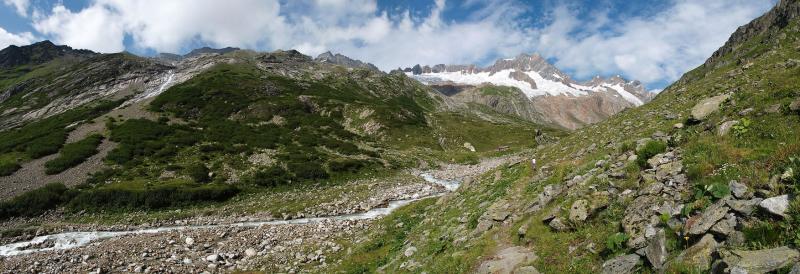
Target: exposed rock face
[(345, 61), (777, 18), (556, 98)]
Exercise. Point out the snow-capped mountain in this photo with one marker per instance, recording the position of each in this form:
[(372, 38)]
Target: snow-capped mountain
[(542, 83), (532, 75)]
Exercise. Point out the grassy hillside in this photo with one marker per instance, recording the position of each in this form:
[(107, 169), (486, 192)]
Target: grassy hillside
[(241, 127), (596, 169)]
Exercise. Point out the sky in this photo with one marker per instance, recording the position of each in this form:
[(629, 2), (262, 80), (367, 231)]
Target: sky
[(654, 41)]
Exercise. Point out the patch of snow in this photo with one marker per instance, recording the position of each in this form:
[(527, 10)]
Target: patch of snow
[(625, 94), (503, 78)]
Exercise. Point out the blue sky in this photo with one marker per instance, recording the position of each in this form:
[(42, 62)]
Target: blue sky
[(654, 41)]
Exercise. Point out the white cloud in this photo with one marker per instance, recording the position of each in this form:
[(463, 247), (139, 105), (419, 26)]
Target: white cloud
[(21, 6), (21, 39), (657, 48), (654, 49), (92, 28)]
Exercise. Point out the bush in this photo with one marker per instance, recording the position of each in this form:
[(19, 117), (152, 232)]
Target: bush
[(73, 154), (347, 165), (120, 197), (47, 145), (308, 171), (9, 168), (616, 242), (270, 177), (198, 173), (35, 202), (652, 148)]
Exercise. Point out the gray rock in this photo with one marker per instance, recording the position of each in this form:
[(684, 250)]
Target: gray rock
[(558, 225), (760, 261), (776, 205), (189, 241), (212, 258), (410, 251), (745, 111), (526, 270), (698, 255), (773, 108), (795, 105), (795, 269), (725, 127), (744, 207), (725, 226), (548, 193), (506, 261), (579, 211), (677, 126), (739, 190), (656, 250), (250, 252), (622, 264), (699, 224), (708, 106)]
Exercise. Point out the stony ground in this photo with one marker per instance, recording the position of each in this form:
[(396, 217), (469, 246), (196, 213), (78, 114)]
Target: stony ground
[(271, 248)]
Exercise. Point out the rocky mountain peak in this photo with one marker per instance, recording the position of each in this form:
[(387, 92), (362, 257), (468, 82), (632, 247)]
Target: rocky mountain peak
[(339, 59), (768, 24), (37, 53)]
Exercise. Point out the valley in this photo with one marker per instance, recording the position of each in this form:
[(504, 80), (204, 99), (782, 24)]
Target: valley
[(236, 161)]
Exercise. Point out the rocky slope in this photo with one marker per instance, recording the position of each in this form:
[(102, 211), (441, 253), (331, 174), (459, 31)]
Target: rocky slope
[(702, 179), (556, 98)]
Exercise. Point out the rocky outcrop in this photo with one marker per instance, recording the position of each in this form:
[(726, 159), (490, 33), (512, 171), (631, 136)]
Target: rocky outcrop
[(779, 17), (345, 61)]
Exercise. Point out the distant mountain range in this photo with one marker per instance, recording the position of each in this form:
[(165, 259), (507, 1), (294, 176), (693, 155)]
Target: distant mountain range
[(554, 96)]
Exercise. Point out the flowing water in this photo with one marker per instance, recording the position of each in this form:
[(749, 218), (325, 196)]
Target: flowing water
[(68, 240)]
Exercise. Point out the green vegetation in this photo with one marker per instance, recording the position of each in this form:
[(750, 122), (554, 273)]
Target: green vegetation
[(47, 136), (138, 195), (616, 242), (650, 149), (371, 255), (73, 154), (35, 202)]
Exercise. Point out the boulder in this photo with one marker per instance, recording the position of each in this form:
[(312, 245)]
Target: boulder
[(744, 207), (725, 226), (698, 255), (776, 205), (507, 260), (558, 225), (579, 211), (622, 264), (739, 190), (795, 105), (708, 106), (699, 224), (410, 251), (725, 127), (656, 250), (760, 261)]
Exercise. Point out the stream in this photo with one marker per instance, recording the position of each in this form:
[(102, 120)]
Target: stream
[(69, 240)]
